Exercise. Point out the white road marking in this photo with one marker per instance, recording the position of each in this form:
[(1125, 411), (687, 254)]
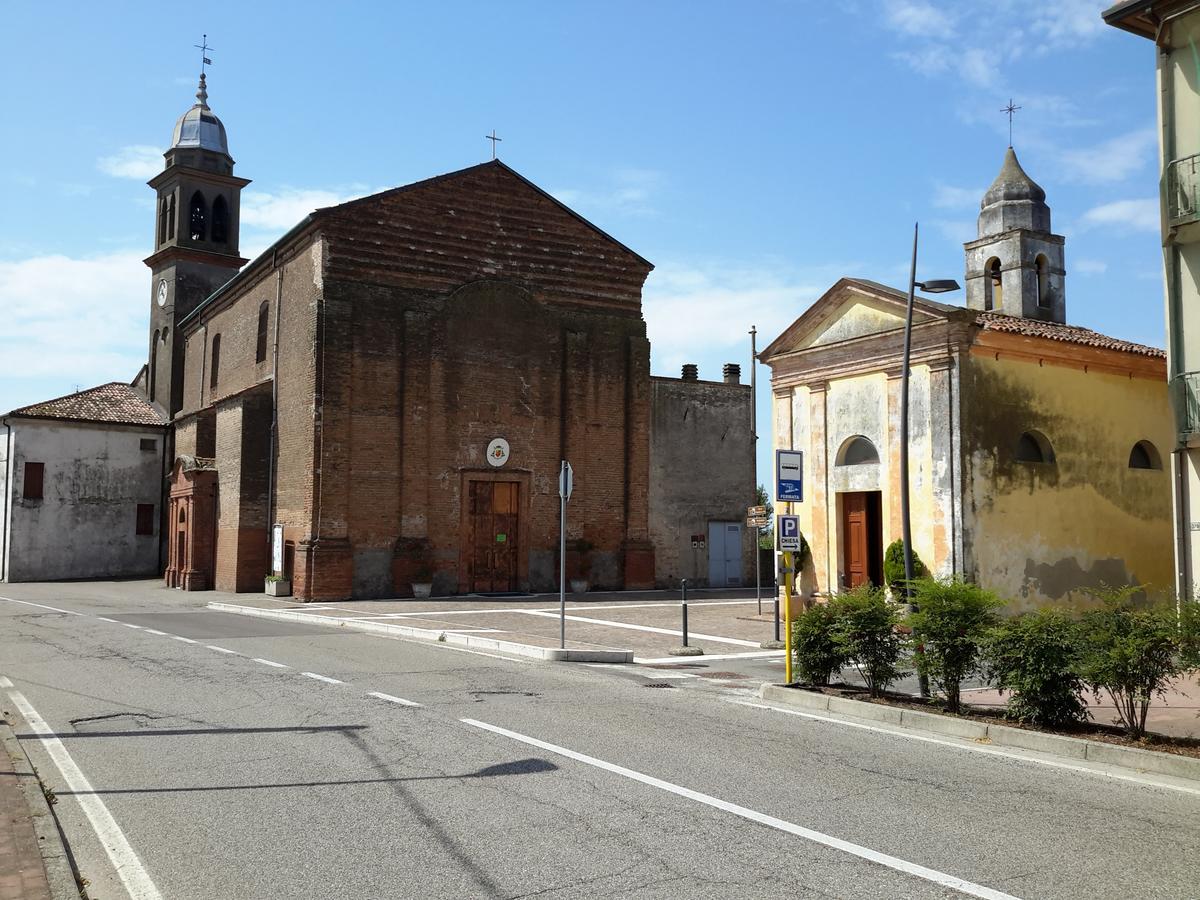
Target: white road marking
[(762, 654), (267, 662), (973, 747), (874, 856), (222, 649), (155, 631), (4, 682), (107, 619), (434, 613), (133, 875), (314, 675), (675, 631), (42, 606), (130, 625), (176, 637), (391, 699)]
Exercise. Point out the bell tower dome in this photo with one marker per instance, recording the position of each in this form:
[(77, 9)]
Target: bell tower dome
[(1016, 265), (198, 201)]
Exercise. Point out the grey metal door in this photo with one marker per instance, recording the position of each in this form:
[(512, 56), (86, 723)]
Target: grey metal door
[(724, 554)]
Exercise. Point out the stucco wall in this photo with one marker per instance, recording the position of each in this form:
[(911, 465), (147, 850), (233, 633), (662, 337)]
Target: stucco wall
[(701, 471), (1038, 531), (85, 526)]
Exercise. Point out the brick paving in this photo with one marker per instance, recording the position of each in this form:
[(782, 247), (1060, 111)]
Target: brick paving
[(22, 873)]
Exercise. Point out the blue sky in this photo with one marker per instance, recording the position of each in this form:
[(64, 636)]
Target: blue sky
[(754, 151)]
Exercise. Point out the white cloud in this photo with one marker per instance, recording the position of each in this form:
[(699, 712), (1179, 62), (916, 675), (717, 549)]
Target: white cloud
[(947, 196), (1090, 266), (628, 192), (140, 161), (919, 19), (1112, 160), (281, 210), (1124, 215), (70, 321), (703, 314), (1068, 22)]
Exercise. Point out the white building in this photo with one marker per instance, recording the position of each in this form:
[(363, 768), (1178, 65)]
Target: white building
[(82, 488)]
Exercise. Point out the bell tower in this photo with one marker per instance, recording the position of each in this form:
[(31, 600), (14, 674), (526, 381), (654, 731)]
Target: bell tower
[(198, 199), (1016, 265)]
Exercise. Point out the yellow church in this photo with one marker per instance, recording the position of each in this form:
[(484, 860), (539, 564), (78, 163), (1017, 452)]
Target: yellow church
[(1036, 448)]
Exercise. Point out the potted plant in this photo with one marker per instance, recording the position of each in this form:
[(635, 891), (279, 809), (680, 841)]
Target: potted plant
[(581, 550), (422, 584), (278, 586)]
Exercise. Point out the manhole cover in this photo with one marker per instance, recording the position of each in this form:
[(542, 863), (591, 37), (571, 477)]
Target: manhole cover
[(658, 684)]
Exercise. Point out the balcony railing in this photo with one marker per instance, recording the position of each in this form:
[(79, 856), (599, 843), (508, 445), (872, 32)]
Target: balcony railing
[(1185, 398), (1183, 190)]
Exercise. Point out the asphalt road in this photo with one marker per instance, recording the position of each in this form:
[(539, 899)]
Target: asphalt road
[(226, 757)]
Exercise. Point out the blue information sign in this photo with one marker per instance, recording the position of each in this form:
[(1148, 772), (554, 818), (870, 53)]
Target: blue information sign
[(789, 476)]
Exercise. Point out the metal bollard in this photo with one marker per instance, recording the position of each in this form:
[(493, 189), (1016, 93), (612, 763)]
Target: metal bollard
[(777, 619), (684, 606)]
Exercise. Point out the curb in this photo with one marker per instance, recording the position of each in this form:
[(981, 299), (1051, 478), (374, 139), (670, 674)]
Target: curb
[(1000, 735), (470, 641), (56, 858)]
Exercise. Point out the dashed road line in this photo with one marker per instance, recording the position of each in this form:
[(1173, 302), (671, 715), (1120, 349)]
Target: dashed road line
[(131, 625), (222, 649), (42, 606), (156, 631), (866, 853), (107, 619), (267, 662), (672, 631), (176, 637), (388, 697), (317, 677)]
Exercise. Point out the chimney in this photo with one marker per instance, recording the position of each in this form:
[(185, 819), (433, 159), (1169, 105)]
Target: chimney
[(733, 373), (691, 372)]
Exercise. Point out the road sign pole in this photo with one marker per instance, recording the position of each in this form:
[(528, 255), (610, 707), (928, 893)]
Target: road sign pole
[(562, 557), (787, 617), (757, 574)]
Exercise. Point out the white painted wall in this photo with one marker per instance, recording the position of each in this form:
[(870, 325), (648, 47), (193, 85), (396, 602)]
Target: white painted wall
[(85, 527)]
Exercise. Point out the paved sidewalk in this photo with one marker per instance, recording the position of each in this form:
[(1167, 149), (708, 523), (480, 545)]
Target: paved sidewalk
[(722, 623), (22, 871)]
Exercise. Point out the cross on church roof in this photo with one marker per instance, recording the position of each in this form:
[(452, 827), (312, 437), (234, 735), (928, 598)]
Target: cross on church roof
[(204, 48), (492, 137), (1010, 109)]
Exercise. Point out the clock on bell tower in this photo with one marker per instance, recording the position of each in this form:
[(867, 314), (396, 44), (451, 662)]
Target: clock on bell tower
[(196, 239)]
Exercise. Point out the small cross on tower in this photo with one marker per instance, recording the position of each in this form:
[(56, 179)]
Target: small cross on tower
[(1011, 110), (492, 137), (204, 48)]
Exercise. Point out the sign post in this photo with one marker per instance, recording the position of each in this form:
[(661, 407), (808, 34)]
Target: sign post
[(788, 529), (756, 518), (566, 483)]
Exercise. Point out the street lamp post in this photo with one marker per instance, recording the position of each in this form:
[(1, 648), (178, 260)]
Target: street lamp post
[(940, 286)]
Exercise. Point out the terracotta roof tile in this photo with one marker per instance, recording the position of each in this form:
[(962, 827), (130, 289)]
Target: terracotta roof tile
[(1071, 334), (114, 402)]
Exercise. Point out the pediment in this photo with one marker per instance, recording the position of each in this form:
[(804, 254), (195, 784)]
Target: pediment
[(850, 310)]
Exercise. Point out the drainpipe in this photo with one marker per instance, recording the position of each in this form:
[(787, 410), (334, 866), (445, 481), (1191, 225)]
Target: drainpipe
[(8, 489), (273, 450), (1183, 586), (168, 434)]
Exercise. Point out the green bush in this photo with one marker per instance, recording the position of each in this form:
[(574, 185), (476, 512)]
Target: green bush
[(1036, 658), (864, 629), (1132, 648), (893, 567), (1189, 633), (815, 651), (953, 619)]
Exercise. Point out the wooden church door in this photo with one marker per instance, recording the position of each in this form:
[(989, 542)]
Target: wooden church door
[(495, 518), (862, 538)]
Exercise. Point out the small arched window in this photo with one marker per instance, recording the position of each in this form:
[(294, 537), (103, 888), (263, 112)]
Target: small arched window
[(198, 217), (1033, 447), (182, 515), (857, 451), (1144, 455), (163, 207), (260, 347), (993, 291), (215, 362), (1042, 267), (171, 218), (153, 363), (220, 221)]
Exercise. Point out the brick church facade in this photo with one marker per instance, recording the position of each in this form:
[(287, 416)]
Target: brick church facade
[(348, 383)]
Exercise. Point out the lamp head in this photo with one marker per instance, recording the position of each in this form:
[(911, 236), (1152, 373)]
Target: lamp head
[(938, 286)]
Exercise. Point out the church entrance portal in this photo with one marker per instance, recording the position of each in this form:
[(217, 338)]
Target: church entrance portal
[(494, 522), (862, 538)]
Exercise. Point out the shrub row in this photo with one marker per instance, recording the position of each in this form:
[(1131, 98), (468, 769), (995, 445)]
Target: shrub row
[(1124, 644)]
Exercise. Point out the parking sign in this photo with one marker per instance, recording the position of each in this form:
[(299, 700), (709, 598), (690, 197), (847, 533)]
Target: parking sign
[(789, 534)]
